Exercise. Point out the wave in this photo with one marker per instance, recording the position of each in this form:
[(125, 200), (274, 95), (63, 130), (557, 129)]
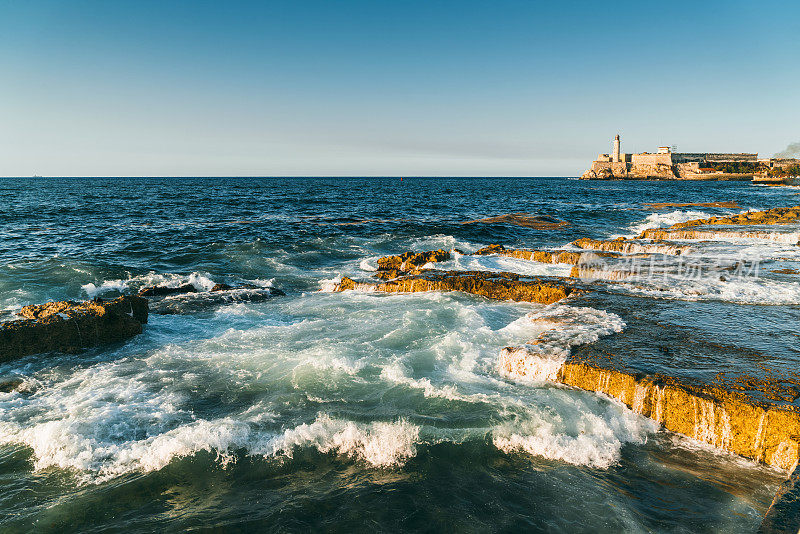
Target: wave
[(496, 263), (664, 220), (565, 327), (201, 281), (140, 412), (594, 440), (744, 290)]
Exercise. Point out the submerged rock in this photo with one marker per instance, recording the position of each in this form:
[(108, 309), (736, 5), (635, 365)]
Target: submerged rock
[(503, 286), (222, 287), (539, 222), (69, 326), (629, 246), (161, 291), (7, 386)]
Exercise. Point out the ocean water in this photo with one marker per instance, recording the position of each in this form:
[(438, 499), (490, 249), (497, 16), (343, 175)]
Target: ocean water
[(371, 412)]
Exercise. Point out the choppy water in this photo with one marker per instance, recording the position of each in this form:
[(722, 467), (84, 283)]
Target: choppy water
[(357, 411)]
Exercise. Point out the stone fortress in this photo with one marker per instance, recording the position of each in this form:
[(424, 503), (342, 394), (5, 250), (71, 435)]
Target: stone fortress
[(667, 164)]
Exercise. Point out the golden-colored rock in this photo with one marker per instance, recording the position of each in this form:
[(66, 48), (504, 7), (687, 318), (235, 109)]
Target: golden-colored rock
[(542, 256), (628, 246), (502, 286), (772, 216), (412, 260), (134, 307), (722, 418)]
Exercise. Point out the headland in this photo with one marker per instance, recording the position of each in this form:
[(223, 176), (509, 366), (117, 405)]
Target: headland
[(668, 164)]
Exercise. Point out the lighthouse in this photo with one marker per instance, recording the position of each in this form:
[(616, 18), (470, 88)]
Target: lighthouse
[(615, 153)]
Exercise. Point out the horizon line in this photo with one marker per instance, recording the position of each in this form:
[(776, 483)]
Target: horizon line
[(287, 176)]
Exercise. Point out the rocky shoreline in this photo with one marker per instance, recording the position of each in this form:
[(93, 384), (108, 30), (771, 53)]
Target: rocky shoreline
[(763, 427), (732, 418)]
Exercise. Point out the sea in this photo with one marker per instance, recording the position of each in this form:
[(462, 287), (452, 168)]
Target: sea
[(360, 411)]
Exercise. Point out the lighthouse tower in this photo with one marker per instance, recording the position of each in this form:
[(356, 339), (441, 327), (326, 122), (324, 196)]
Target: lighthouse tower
[(615, 154)]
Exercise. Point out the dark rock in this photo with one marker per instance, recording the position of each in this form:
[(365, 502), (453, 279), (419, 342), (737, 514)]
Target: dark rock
[(7, 386), (162, 291), (205, 300), (221, 287), (70, 327)]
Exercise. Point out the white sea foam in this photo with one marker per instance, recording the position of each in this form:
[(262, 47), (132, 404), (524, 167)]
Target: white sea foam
[(262, 282), (395, 373), (329, 285), (498, 263), (664, 220), (563, 327), (201, 282), (593, 439), (744, 290), (108, 285), (367, 265), (140, 412), (380, 444)]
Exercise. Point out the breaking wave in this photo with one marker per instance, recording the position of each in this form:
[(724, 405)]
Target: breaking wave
[(201, 282)]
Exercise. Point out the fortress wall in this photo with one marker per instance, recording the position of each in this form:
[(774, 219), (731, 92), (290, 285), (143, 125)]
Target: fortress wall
[(688, 157), (740, 156), (651, 159)]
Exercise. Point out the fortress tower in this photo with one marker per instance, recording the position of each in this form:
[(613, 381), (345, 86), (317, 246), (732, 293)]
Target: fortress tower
[(615, 153)]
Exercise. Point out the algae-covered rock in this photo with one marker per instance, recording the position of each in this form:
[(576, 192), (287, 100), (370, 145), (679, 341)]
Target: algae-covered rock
[(71, 326), (502, 286), (9, 385)]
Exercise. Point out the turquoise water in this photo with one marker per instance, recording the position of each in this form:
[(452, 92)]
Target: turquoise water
[(358, 411)]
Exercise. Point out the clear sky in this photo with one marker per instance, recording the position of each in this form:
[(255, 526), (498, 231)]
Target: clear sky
[(109, 88)]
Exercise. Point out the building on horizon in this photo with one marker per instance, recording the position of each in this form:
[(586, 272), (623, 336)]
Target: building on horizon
[(667, 164)]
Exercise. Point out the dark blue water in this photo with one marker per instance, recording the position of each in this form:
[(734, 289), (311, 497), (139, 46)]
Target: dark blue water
[(354, 411)]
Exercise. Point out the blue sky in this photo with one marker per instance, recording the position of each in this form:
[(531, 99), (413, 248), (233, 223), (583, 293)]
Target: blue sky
[(107, 88)]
